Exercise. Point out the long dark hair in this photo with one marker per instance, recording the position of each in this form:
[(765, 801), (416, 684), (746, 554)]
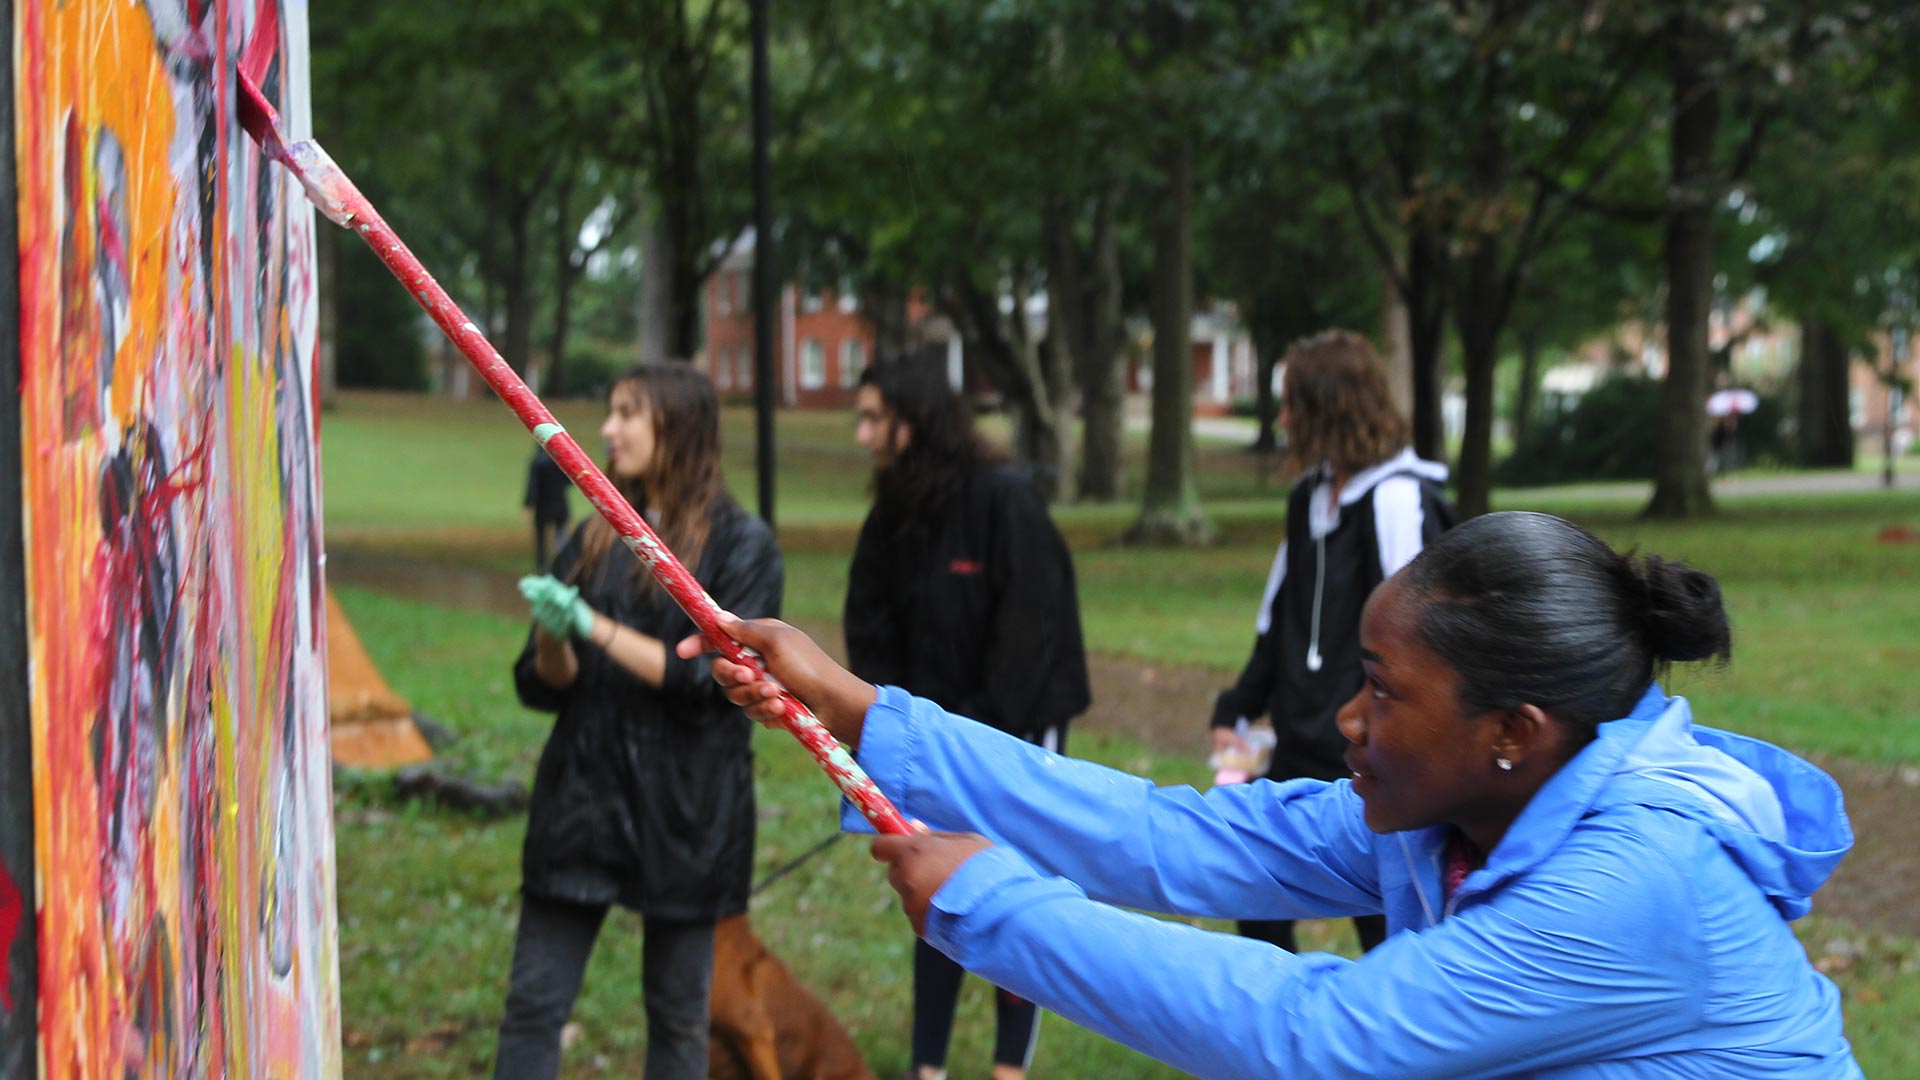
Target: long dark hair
[(1531, 609), (942, 447), (681, 489), (1340, 408)]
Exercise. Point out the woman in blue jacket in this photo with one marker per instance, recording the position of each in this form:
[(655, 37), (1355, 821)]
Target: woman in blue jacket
[(1577, 881)]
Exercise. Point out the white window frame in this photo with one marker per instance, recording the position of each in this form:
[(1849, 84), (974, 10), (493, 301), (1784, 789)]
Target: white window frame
[(813, 364), (853, 360)]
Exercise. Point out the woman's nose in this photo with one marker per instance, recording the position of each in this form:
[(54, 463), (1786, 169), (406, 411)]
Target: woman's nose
[(1349, 720)]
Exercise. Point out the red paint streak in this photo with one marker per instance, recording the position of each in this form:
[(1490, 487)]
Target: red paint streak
[(343, 202), (10, 908)]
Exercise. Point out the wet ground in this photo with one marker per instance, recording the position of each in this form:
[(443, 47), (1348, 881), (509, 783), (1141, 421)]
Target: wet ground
[(1166, 707)]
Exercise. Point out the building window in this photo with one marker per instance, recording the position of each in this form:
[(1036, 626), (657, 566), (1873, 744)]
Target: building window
[(723, 295), (813, 364), (722, 371), (743, 366), (853, 358)]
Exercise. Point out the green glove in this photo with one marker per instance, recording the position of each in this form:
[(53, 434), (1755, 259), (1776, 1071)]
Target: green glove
[(557, 607)]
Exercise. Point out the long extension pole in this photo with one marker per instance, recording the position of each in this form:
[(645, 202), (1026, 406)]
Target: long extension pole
[(344, 205)]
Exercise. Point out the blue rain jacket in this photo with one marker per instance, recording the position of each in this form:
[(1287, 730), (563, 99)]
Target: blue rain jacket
[(1633, 922)]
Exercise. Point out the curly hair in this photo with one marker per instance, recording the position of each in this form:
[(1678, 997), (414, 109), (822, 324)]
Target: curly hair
[(1339, 409)]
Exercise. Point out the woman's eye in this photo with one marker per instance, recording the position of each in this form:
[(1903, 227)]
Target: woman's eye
[(1378, 692)]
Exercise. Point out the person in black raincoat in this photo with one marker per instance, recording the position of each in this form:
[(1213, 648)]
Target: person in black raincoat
[(962, 591), (544, 502), (643, 797), (1363, 507)]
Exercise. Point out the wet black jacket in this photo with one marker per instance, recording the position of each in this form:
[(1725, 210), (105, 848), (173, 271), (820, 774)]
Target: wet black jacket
[(644, 797), (977, 611), (1305, 662)]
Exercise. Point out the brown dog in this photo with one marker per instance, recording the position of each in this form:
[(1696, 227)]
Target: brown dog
[(766, 1026)]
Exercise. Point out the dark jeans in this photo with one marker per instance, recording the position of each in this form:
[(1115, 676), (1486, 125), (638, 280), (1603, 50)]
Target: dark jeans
[(936, 992), (549, 958), (1371, 928), (546, 532)]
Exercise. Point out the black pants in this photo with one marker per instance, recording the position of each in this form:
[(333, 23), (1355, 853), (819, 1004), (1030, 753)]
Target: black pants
[(936, 992), (550, 954), (1371, 928), (546, 531)]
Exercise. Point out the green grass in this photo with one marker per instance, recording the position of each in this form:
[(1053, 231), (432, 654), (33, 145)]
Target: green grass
[(1827, 660), (427, 899)]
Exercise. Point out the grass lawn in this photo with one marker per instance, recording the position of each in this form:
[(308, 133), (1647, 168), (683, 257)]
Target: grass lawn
[(1827, 659)]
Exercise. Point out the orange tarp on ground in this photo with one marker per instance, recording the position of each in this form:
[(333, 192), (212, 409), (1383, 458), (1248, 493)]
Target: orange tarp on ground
[(372, 726)]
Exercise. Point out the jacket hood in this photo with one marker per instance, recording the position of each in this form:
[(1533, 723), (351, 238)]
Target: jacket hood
[(1406, 461), (1781, 819)]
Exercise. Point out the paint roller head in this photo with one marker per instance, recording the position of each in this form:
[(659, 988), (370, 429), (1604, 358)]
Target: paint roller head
[(256, 115)]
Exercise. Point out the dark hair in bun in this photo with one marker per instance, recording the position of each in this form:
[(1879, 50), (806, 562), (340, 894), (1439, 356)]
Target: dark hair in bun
[(1532, 609)]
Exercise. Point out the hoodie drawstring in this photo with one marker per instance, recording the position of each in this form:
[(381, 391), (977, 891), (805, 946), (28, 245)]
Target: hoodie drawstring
[(1319, 589)]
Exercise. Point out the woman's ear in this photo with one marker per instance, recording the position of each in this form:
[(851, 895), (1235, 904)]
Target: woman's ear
[(1527, 734)]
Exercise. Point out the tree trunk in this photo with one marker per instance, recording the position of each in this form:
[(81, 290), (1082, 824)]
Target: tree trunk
[(1480, 349), (1529, 384), (566, 275), (1680, 464), (1479, 315), (1426, 332), (1098, 362), (1005, 350), (1266, 407), (1481, 312), (656, 291), (1396, 345), (1037, 435), (682, 199), (1824, 413), (517, 287), (1170, 507)]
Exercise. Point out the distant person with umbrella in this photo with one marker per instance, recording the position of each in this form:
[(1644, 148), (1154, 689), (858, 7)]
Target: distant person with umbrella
[(1725, 408)]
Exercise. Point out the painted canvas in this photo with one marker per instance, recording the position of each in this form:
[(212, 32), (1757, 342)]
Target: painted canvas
[(175, 623)]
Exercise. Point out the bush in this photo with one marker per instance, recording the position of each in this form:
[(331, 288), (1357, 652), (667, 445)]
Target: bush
[(1611, 431), (592, 364), (1608, 433)]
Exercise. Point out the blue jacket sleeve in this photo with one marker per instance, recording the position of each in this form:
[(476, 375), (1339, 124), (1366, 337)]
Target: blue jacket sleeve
[(1256, 851), (1590, 961)]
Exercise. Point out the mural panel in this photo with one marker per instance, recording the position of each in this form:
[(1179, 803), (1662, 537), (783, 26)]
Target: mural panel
[(181, 803)]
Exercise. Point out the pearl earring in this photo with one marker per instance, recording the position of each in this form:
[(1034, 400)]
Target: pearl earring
[(1505, 765)]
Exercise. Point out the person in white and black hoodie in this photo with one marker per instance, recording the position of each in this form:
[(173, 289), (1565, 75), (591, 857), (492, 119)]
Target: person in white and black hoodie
[(1363, 507), (961, 590)]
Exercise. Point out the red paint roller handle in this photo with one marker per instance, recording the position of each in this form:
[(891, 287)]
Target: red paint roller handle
[(342, 203)]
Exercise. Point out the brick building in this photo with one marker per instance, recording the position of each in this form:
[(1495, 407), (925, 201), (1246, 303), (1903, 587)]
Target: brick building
[(821, 341)]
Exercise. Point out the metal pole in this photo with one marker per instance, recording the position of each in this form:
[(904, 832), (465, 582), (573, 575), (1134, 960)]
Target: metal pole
[(1888, 446), (19, 929), (763, 287)]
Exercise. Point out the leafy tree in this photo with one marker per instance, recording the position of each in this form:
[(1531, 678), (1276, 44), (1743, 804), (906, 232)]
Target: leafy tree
[(662, 84), (1834, 194), (964, 157), (1466, 133)]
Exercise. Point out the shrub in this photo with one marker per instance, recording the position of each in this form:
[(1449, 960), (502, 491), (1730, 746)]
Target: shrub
[(1605, 434), (1611, 433)]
